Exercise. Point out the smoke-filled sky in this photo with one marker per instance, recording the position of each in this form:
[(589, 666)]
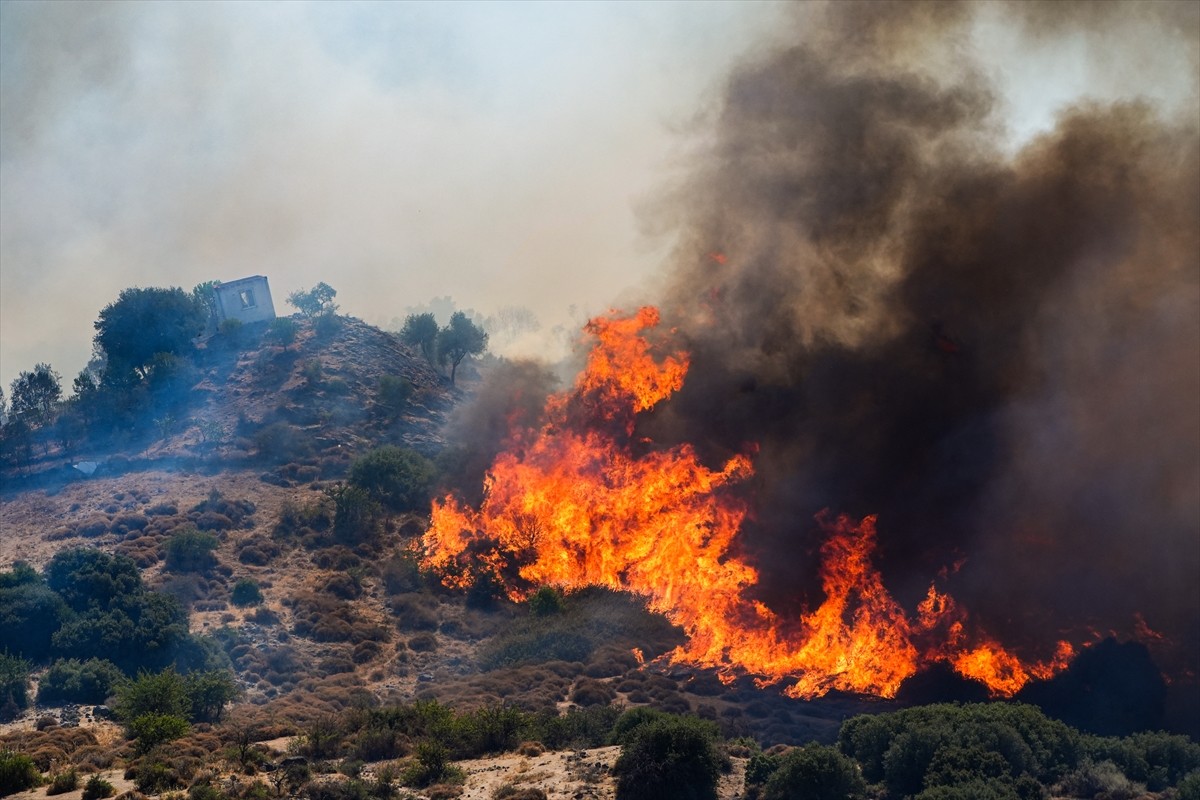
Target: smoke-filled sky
[(500, 153), (493, 152)]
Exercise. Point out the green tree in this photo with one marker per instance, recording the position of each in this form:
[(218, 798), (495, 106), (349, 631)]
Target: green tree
[(316, 302), (205, 295), (35, 393), (208, 693), (30, 612), (459, 339), (153, 693), (142, 323), (668, 759), (421, 331)]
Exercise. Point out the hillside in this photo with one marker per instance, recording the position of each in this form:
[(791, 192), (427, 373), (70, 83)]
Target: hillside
[(345, 638)]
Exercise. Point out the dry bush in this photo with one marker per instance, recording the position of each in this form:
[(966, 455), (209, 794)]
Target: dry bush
[(257, 550), (163, 509), (211, 521), (124, 523), (591, 692), (415, 612), (337, 557), (423, 643), (92, 526), (342, 585)]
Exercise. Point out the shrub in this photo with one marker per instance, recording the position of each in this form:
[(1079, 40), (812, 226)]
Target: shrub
[(282, 331), (17, 773), (667, 759), (152, 729), (246, 593), (546, 601), (817, 772), (397, 478), (75, 681), (97, 788), (1099, 779), (162, 693), (355, 513), (66, 781), (590, 692), (432, 765), (393, 395), (189, 550), (14, 685), (155, 777), (510, 792), (279, 443)]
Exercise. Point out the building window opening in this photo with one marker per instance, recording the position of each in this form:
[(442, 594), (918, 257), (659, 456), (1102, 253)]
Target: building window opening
[(247, 296)]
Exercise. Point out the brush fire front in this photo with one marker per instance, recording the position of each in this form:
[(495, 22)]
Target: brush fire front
[(580, 503)]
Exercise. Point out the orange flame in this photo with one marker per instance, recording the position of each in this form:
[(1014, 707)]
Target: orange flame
[(575, 506)]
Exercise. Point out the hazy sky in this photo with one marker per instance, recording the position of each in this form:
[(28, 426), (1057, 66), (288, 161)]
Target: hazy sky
[(495, 152)]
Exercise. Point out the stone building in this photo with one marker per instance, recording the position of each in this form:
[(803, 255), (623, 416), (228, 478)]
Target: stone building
[(246, 299)]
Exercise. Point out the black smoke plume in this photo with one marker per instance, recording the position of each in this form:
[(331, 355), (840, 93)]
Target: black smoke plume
[(998, 353)]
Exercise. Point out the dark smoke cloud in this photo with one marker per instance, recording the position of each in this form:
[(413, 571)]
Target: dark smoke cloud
[(997, 352)]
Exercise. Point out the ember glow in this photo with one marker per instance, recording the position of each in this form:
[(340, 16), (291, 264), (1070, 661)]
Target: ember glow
[(581, 503)]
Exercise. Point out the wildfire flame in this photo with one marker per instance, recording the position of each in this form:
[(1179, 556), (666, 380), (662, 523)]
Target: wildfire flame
[(575, 506)]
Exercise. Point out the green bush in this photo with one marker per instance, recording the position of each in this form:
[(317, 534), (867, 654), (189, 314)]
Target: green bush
[(282, 330), (75, 681), (432, 765), (669, 759), (815, 772), (189, 550), (396, 478), (393, 395), (153, 729), (546, 601), (355, 513), (66, 781), (17, 773), (97, 788), (162, 693), (246, 593)]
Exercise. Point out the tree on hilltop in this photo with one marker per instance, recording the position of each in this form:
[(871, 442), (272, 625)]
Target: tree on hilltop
[(459, 339), (141, 324), (316, 302)]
